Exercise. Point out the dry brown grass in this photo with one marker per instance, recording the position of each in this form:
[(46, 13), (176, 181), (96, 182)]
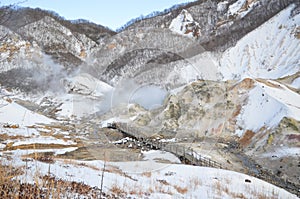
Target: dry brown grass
[(268, 83), (247, 137), (147, 174), (218, 188), (137, 190), (113, 169), (9, 100), (12, 188), (47, 157), (222, 189), (10, 137), (195, 183), (159, 188), (237, 111), (117, 190), (89, 166), (150, 190), (11, 126), (164, 182), (259, 195), (43, 186), (297, 32), (247, 84), (237, 195), (111, 46), (182, 190)]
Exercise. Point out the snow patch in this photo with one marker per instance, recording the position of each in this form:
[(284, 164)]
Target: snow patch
[(234, 8), (21, 131), (13, 113), (267, 104), (86, 84), (184, 24), (221, 7), (112, 120), (154, 155), (44, 140), (283, 152), (296, 83)]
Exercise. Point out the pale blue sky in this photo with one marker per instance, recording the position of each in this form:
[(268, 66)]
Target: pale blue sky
[(111, 13)]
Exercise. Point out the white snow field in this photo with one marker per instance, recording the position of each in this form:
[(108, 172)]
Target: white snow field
[(267, 104), (260, 55), (150, 179)]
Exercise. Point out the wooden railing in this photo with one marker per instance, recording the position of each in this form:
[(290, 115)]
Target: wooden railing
[(185, 154), (189, 156)]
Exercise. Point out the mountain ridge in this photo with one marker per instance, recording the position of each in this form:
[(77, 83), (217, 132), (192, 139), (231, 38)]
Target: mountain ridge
[(217, 73)]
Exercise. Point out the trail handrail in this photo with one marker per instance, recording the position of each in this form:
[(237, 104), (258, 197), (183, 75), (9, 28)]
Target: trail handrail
[(187, 154)]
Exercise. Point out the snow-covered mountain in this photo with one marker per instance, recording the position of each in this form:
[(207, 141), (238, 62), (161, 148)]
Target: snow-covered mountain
[(261, 55), (220, 73)]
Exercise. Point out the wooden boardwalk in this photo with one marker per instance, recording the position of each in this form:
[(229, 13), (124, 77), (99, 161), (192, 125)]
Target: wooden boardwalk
[(189, 156), (186, 155)]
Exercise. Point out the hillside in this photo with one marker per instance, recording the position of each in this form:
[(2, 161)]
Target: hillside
[(220, 78)]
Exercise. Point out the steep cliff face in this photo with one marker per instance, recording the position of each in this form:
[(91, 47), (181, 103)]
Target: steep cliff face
[(57, 40), (69, 43)]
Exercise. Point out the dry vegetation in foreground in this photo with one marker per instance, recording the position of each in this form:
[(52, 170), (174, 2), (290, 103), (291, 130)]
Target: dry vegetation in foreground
[(43, 187), (223, 190), (47, 186)]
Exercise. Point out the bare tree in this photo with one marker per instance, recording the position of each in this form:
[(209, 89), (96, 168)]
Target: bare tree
[(6, 10), (6, 13)]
